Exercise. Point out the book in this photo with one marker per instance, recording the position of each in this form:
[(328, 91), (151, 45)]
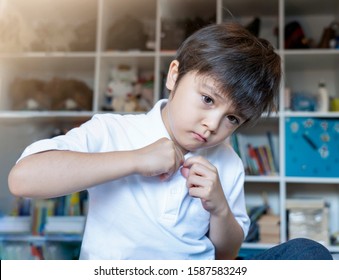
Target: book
[(262, 154), (273, 143), (253, 155), (270, 158)]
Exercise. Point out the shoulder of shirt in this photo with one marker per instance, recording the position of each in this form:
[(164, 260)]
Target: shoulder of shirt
[(135, 117), (109, 117)]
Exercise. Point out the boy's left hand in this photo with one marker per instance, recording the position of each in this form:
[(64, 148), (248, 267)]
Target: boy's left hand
[(203, 182)]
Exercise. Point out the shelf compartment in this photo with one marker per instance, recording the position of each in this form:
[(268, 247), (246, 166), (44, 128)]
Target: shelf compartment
[(305, 69), (259, 148), (246, 11), (312, 17), (329, 192), (139, 70), (180, 18), (128, 25), (53, 26), (265, 197), (36, 78), (258, 193)]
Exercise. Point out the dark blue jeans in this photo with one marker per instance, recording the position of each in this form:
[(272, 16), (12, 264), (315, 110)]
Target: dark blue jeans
[(296, 249)]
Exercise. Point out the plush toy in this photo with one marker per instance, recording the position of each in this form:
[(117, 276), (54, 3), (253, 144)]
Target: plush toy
[(53, 36), (85, 36), (29, 94), (69, 94), (117, 94), (56, 94), (120, 88), (127, 33), (127, 92)]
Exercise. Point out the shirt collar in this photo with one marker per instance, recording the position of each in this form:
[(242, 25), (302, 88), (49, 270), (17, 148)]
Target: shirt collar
[(156, 121)]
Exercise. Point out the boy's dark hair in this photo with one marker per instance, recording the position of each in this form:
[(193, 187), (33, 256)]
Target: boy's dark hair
[(246, 69)]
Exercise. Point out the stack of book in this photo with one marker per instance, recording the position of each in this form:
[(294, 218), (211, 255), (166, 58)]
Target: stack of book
[(257, 153), (308, 218), (60, 215), (269, 229)]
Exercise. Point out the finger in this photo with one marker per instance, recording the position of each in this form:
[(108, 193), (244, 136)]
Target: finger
[(200, 170), (195, 181), (198, 160), (185, 171), (199, 190)]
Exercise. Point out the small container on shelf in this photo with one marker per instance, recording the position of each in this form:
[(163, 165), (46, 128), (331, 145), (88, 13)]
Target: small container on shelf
[(323, 98)]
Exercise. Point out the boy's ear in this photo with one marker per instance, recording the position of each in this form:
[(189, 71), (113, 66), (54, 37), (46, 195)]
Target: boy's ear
[(172, 74)]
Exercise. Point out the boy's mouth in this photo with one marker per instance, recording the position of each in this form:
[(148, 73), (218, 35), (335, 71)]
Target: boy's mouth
[(199, 137)]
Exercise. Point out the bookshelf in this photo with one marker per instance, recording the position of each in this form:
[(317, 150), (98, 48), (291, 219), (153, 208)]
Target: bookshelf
[(44, 228), (92, 58)]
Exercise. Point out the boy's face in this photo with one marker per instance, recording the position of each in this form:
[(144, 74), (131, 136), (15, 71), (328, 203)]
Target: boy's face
[(196, 116)]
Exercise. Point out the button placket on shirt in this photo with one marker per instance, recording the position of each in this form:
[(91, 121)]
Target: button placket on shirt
[(175, 194)]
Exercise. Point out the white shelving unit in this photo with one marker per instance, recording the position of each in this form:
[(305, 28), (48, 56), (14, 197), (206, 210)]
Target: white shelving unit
[(304, 69), (161, 20)]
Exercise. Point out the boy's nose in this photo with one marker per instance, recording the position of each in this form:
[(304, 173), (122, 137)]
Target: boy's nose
[(212, 122)]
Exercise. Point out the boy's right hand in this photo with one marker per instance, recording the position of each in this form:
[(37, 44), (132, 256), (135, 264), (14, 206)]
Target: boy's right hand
[(161, 158)]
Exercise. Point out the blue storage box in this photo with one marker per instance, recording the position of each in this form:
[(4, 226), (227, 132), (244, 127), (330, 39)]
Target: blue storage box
[(312, 147)]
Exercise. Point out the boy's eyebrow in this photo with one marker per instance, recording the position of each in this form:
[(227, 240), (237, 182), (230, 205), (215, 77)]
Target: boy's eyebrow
[(213, 91)]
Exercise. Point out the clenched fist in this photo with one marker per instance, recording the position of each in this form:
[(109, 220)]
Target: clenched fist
[(161, 158)]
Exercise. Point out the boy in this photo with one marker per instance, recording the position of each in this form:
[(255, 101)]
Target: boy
[(165, 185)]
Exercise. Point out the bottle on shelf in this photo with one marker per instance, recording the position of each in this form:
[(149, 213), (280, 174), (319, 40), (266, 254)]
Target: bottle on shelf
[(323, 98)]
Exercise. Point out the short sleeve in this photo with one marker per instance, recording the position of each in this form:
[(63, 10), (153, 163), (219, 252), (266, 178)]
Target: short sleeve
[(89, 137)]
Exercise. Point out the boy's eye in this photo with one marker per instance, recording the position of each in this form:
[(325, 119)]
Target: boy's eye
[(233, 119), (207, 100)]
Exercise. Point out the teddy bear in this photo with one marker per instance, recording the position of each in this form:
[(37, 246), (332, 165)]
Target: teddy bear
[(118, 94), (69, 94), (120, 89), (53, 36), (128, 92), (29, 94), (56, 94), (85, 35), (126, 33)]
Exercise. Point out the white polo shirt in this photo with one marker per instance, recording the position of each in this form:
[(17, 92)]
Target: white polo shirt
[(140, 217)]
